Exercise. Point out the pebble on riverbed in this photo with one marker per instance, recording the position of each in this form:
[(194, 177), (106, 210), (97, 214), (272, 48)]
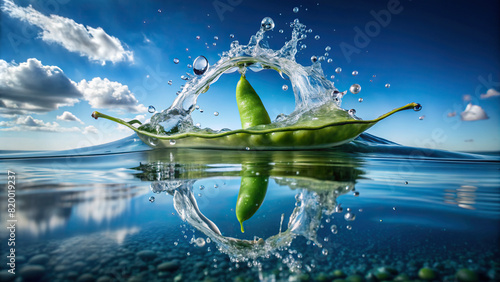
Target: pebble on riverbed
[(169, 266), (466, 275), (427, 274), (32, 272)]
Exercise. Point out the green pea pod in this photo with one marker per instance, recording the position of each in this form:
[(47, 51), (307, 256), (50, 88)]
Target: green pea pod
[(333, 127), (252, 192), (252, 111)]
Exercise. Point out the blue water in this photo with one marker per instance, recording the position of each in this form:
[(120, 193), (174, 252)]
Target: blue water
[(86, 214)]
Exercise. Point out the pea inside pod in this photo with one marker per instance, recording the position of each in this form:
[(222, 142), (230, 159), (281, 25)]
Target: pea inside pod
[(253, 189)]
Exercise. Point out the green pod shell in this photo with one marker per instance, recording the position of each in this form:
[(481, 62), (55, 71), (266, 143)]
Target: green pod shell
[(250, 106), (333, 127)]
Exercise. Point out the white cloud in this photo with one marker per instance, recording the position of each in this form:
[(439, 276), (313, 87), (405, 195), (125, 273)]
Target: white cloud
[(473, 112), (93, 43), (490, 93), (467, 97), (102, 93), (141, 118), (67, 116), (90, 129), (33, 87), (28, 123)]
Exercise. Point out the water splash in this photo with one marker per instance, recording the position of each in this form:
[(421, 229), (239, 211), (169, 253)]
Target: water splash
[(310, 87)]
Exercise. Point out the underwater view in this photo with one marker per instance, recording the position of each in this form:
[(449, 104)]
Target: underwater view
[(249, 141)]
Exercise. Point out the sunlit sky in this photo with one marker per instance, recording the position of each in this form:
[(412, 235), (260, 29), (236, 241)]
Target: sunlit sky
[(60, 60)]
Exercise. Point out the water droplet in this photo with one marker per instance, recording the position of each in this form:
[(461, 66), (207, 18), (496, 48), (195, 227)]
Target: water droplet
[(387, 85), (338, 70), (355, 88), (216, 38), (172, 142), (356, 194), (296, 10), (338, 209), (151, 109), (330, 60), (309, 31), (332, 76), (153, 141), (199, 194), (327, 54), (314, 59), (176, 243), (321, 59), (327, 220), (183, 77), (352, 112), (328, 48), (200, 65), (334, 229), (247, 148), (303, 46), (231, 35), (284, 87), (421, 117), (216, 113), (349, 216), (417, 107), (355, 73), (316, 37), (151, 199), (325, 239), (406, 182), (159, 10), (199, 242), (324, 252), (201, 110), (267, 24), (176, 60), (348, 227), (198, 37), (393, 208), (360, 100), (215, 44), (169, 82), (280, 31)]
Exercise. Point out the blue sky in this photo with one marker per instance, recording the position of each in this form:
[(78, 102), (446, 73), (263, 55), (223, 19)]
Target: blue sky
[(60, 61)]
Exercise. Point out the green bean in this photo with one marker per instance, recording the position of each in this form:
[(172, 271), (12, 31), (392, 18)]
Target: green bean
[(250, 106)]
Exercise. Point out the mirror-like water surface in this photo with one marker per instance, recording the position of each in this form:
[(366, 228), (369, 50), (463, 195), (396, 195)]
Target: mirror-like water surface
[(356, 212)]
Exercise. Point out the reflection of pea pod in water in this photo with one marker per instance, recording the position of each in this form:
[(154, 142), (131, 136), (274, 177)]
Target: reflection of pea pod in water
[(253, 188)]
